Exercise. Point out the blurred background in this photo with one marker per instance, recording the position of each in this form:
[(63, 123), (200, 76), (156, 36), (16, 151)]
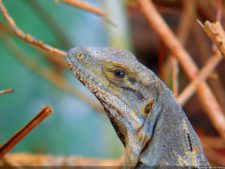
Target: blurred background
[(41, 79)]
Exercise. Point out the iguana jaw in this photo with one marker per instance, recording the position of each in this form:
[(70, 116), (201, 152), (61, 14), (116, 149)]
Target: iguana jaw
[(123, 117)]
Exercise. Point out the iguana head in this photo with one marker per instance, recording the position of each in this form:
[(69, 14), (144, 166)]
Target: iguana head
[(119, 81), (141, 108)]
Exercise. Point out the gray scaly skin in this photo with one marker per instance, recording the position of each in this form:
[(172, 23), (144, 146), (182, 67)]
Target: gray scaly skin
[(152, 126)]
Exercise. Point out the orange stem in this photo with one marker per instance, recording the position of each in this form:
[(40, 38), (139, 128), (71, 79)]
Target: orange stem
[(9, 144)]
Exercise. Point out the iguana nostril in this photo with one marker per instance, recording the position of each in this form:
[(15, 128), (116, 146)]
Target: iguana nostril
[(80, 56)]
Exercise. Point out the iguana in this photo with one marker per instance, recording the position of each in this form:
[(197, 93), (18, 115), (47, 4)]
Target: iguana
[(146, 116)]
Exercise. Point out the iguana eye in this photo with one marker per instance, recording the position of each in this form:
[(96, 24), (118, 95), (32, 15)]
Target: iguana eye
[(116, 73), (119, 73)]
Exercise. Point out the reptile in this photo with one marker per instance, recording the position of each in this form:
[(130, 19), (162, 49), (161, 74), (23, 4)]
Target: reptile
[(144, 113)]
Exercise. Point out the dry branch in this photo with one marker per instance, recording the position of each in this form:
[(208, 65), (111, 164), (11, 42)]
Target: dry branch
[(205, 51), (186, 19), (175, 74), (53, 58), (6, 91), (26, 37), (203, 74), (9, 144), (216, 34), (206, 97), (84, 6)]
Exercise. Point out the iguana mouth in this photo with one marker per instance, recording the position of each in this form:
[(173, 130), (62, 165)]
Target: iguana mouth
[(90, 84)]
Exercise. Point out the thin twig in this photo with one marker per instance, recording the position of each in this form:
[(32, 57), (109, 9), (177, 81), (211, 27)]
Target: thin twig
[(50, 22), (205, 51), (9, 144), (216, 33), (187, 19), (53, 58), (206, 97), (26, 37), (50, 76), (6, 91), (203, 74), (175, 74), (84, 6)]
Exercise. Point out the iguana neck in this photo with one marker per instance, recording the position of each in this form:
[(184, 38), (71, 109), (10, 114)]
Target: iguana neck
[(173, 141)]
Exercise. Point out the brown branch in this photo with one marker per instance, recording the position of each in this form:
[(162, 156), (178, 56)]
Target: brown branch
[(50, 22), (187, 19), (204, 50), (8, 145), (58, 62), (53, 58), (84, 6), (175, 73), (203, 74), (26, 37), (6, 91), (216, 34), (208, 100)]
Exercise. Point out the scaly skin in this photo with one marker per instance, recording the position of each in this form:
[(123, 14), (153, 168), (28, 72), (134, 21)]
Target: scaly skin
[(152, 126)]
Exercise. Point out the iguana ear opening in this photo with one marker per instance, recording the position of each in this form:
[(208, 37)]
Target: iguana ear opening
[(147, 108)]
